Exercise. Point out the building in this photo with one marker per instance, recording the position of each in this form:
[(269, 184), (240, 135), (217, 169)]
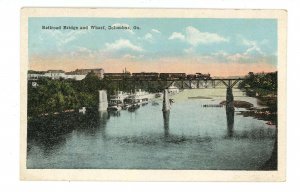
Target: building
[(55, 74), (99, 72), (35, 75), (78, 74), (173, 90), (75, 77)]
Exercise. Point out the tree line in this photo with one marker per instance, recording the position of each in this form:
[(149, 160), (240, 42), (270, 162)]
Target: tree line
[(260, 84)]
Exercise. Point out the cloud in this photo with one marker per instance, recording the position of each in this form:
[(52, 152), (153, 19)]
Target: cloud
[(128, 56), (132, 57), (124, 25), (242, 57), (220, 53), (61, 38), (225, 57), (238, 57), (148, 36), (176, 35), (247, 42), (251, 54), (122, 44), (253, 46), (121, 48), (196, 37), (155, 31), (189, 50), (83, 52)]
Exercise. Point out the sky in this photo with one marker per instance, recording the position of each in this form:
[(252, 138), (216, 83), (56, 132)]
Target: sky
[(221, 47)]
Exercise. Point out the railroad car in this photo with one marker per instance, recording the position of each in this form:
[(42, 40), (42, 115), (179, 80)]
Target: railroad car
[(172, 76), (145, 76), (203, 76), (116, 76), (191, 76)]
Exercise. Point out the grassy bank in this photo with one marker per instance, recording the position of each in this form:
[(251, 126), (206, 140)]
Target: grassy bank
[(263, 86)]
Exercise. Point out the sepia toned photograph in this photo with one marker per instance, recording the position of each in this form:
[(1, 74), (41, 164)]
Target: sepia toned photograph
[(153, 94)]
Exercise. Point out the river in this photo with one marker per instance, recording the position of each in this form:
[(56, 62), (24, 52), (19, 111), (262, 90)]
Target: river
[(190, 136)]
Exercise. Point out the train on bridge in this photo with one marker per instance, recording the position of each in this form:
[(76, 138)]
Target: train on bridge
[(153, 76)]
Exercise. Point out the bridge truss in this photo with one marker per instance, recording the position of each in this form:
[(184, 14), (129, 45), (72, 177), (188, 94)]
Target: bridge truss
[(179, 83)]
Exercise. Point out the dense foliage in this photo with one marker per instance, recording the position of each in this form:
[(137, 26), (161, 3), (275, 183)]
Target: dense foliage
[(50, 96), (262, 84)]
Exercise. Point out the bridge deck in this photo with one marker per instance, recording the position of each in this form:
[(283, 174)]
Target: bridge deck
[(173, 79)]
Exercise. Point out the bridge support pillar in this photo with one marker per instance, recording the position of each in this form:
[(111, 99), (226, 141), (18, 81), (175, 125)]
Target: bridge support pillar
[(229, 97), (166, 101), (103, 103)]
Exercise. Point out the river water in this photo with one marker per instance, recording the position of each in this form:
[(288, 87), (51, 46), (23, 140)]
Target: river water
[(190, 136)]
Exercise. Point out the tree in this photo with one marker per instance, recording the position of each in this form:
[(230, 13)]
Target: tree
[(51, 96), (261, 83)]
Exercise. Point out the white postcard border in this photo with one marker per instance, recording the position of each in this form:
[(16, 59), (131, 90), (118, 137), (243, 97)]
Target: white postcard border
[(155, 175)]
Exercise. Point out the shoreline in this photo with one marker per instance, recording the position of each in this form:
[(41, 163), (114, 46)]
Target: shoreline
[(239, 104)]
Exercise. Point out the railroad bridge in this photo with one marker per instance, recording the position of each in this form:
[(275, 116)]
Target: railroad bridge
[(184, 82), (181, 82), (229, 83)]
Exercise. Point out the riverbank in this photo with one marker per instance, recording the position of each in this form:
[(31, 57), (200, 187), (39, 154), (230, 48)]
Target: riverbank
[(200, 97), (262, 86), (239, 104), (267, 113)]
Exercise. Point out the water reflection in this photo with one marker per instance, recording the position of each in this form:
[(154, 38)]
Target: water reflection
[(103, 118), (88, 124), (166, 115), (229, 112), (189, 138), (230, 120), (51, 133), (115, 113)]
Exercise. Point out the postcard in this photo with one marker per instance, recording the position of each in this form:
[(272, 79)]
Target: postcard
[(153, 94)]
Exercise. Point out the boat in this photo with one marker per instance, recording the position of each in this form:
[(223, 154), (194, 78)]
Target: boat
[(172, 90), (139, 97), (133, 107), (118, 98), (114, 108), (158, 95), (126, 106), (116, 101)]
